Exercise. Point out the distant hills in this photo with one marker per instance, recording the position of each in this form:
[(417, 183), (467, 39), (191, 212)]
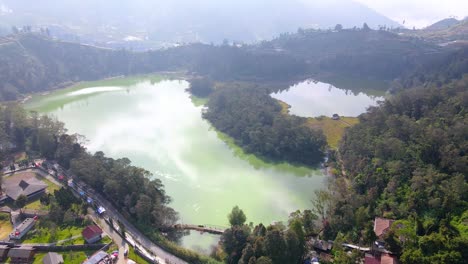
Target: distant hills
[(444, 32), (443, 24), (31, 62), (187, 20)]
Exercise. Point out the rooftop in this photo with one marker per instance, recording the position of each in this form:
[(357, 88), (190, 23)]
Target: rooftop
[(97, 258), (388, 259), (25, 225), (21, 252), (22, 184), (91, 231), (52, 258), (381, 225)]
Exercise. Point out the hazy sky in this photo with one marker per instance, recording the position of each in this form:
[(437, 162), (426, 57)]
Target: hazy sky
[(419, 13)]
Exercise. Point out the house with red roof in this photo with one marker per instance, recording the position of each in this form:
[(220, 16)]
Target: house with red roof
[(92, 234), (380, 259), (382, 226)]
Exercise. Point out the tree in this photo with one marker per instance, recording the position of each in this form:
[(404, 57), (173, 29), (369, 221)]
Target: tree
[(365, 27), (321, 203), (264, 260), (338, 27), (237, 217), (233, 242), (247, 254), (21, 201), (275, 246), (201, 87)]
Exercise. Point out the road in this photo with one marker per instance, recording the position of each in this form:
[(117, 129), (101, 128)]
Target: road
[(162, 255), (118, 240)]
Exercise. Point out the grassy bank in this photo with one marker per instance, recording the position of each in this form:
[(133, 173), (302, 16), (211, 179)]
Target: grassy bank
[(333, 129), (5, 225)]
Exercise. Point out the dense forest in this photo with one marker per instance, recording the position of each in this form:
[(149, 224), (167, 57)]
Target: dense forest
[(407, 160), (255, 121), (440, 72)]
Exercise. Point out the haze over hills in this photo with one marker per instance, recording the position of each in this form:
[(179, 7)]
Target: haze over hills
[(446, 31), (443, 24), (189, 21)]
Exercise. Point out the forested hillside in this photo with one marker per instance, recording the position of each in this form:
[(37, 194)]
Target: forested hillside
[(358, 52), (407, 160), (31, 63)]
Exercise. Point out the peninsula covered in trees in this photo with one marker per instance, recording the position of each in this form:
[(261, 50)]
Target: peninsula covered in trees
[(255, 121)]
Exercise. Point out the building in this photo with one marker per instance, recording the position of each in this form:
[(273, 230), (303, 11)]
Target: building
[(369, 259), (23, 184), (53, 258), (22, 229), (382, 226), (92, 234), (21, 255), (3, 253), (388, 259), (99, 257), (380, 259)]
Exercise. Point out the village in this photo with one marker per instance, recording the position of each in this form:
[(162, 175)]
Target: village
[(320, 250), (45, 217)]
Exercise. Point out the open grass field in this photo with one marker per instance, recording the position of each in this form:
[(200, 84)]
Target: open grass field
[(5, 225), (43, 235), (36, 205), (333, 129)]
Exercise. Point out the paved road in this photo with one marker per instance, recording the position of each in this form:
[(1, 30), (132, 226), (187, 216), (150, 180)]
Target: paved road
[(163, 256), (114, 236)]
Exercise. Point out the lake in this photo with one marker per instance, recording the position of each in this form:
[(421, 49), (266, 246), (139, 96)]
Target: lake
[(311, 99), (154, 123)]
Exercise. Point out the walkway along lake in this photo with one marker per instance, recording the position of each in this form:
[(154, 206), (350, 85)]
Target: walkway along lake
[(155, 124)]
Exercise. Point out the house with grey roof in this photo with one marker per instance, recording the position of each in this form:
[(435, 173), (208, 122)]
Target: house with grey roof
[(22, 228), (98, 258), (3, 253), (24, 184), (52, 258), (21, 255)]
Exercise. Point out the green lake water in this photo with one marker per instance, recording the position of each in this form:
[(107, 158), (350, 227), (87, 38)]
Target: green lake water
[(311, 98), (155, 124)]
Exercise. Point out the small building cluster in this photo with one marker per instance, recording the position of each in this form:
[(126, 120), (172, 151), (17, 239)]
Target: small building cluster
[(377, 254)]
